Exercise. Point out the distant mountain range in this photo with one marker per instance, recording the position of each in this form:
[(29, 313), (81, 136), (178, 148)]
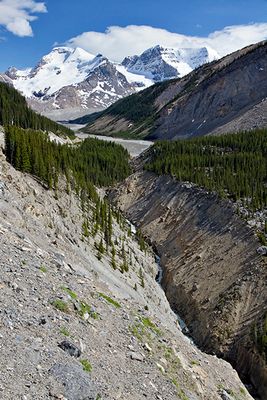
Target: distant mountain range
[(227, 95), (68, 82)]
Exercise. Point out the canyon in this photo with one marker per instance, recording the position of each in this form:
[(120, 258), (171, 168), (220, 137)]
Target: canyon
[(72, 326), (213, 275)]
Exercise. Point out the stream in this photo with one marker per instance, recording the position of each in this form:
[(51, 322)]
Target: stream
[(159, 278), (181, 322)]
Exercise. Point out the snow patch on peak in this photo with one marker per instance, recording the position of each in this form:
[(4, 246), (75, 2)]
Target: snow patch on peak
[(160, 63), (63, 66)]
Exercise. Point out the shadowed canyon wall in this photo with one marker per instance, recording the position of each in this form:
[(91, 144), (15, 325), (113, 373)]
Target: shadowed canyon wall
[(213, 275)]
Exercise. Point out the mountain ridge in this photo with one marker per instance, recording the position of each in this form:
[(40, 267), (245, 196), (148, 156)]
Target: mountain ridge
[(75, 80), (211, 97)]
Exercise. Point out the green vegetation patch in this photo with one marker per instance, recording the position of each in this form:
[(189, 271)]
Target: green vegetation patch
[(149, 324), (72, 294), (233, 165), (87, 367), (180, 393), (143, 328), (110, 300), (14, 110), (43, 269), (86, 309), (64, 331), (61, 305)]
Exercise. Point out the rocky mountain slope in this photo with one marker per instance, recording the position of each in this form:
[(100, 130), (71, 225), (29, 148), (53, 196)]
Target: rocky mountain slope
[(67, 82), (74, 328), (213, 273), (226, 95)]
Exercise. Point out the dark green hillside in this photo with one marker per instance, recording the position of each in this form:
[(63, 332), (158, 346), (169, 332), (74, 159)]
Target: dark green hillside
[(86, 119), (94, 162), (234, 165), (136, 107), (15, 111)]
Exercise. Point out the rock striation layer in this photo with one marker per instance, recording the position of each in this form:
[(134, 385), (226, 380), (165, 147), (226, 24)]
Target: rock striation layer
[(213, 274)]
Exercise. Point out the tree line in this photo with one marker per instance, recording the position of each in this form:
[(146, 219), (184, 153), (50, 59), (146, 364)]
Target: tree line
[(15, 111), (234, 165), (93, 162)]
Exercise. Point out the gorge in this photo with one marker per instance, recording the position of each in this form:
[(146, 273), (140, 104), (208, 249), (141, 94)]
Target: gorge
[(213, 276)]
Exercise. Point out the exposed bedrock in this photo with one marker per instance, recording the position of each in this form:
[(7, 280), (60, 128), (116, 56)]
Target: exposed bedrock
[(213, 276)]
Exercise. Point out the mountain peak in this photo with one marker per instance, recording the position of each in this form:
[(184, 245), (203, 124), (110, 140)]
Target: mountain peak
[(160, 63), (68, 77)]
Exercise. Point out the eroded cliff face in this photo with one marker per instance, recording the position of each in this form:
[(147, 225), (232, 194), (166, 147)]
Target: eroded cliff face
[(213, 276)]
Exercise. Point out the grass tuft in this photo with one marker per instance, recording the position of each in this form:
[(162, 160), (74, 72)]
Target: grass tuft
[(110, 300), (72, 294), (87, 367), (61, 305)]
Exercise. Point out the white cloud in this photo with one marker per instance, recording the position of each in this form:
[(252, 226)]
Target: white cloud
[(118, 41), (16, 15)]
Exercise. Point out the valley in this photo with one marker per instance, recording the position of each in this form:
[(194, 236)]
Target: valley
[(133, 239), (59, 290)]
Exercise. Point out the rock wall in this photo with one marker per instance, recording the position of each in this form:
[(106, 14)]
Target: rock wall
[(213, 275)]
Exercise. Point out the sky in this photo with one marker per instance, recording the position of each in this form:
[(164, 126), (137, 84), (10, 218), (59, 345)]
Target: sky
[(29, 29)]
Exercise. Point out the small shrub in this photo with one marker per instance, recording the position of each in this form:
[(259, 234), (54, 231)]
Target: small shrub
[(262, 238), (86, 309), (85, 228), (72, 294), (242, 391), (61, 305), (110, 300), (43, 269), (113, 263), (87, 367), (149, 324)]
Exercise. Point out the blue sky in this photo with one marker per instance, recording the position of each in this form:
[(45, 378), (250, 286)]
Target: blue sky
[(66, 19)]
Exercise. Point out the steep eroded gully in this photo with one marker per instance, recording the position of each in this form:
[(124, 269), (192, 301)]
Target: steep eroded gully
[(213, 275)]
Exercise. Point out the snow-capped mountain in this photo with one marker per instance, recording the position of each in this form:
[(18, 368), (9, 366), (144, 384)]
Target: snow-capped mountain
[(71, 82), (161, 63)]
